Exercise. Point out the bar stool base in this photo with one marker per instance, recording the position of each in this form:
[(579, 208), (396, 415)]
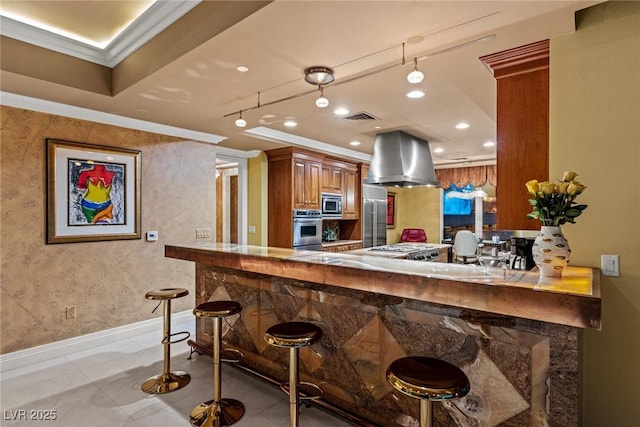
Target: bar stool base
[(210, 414), (165, 383)]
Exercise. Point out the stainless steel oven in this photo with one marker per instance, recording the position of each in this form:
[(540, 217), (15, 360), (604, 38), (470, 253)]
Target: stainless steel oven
[(307, 229), (331, 205)]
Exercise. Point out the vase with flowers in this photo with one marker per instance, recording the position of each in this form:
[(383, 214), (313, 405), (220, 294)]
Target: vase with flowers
[(554, 205)]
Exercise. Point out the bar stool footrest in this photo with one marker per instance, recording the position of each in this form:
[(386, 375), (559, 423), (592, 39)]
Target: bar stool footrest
[(186, 334), (306, 390)]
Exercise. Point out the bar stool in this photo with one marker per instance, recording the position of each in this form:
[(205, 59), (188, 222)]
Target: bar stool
[(427, 379), (167, 381), (217, 412), (293, 335)]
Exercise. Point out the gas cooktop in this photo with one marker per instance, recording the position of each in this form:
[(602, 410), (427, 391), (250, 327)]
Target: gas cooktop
[(412, 251)]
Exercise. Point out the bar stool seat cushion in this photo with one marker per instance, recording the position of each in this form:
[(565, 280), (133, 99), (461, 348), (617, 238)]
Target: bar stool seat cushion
[(166, 293), (293, 334), (217, 309), (427, 378)]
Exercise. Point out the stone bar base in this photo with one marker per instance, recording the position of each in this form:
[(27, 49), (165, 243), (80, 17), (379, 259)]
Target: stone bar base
[(522, 372)]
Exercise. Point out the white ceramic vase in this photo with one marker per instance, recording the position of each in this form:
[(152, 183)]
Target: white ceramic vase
[(551, 251)]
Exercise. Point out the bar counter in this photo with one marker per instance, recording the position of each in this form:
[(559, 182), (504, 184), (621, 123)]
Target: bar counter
[(515, 336)]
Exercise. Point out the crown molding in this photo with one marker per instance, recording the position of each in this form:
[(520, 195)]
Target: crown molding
[(50, 107), (152, 22)]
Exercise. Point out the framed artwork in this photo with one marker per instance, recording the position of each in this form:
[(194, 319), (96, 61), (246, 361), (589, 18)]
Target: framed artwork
[(391, 210), (93, 192)]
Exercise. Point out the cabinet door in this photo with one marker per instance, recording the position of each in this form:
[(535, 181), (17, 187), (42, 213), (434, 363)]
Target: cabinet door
[(299, 177), (350, 199), (331, 179), (313, 173)]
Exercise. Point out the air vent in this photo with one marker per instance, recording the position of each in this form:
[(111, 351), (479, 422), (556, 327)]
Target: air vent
[(363, 115)]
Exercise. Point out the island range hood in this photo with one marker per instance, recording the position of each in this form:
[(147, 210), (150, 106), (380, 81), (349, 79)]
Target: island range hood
[(401, 160)]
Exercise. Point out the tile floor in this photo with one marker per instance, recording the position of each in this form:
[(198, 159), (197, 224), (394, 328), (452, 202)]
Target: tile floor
[(101, 388)]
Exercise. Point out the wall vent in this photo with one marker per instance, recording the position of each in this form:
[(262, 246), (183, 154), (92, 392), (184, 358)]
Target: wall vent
[(363, 115)]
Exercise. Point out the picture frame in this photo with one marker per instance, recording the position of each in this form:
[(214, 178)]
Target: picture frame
[(93, 192), (391, 209)]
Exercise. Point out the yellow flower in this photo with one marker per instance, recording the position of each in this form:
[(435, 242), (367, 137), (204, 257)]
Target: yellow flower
[(569, 176), (575, 188), (532, 186), (561, 187), (547, 187)]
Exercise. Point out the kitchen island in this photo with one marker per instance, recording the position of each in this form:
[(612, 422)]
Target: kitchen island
[(515, 337)]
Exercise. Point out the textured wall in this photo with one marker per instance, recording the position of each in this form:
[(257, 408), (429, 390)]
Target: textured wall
[(595, 131), (416, 208), (106, 281)]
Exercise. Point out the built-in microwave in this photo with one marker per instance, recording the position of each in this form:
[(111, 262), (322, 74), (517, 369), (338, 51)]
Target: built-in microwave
[(331, 205)]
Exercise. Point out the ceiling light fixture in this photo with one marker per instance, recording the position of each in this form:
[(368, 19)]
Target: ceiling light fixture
[(415, 94), (340, 111), (462, 125), (240, 122), (416, 75), (318, 75), (322, 102), (242, 68), (290, 123)]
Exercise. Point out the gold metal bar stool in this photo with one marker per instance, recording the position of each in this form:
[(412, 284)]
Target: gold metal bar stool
[(427, 379), (217, 412), (293, 335), (167, 381)]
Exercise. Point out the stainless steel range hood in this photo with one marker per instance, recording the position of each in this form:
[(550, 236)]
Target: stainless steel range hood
[(401, 160)]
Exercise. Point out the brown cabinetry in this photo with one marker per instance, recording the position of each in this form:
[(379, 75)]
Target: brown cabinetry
[(306, 183), (331, 178), (342, 247), (296, 179)]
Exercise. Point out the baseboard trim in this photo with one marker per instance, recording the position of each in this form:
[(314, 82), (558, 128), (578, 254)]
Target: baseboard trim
[(21, 358)]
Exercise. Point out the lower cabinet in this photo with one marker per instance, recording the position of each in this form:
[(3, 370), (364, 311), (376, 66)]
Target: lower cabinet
[(342, 248)]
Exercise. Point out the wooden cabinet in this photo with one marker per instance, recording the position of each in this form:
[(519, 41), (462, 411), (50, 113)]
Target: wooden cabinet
[(351, 195), (342, 247), (306, 183), (296, 179), (331, 178)]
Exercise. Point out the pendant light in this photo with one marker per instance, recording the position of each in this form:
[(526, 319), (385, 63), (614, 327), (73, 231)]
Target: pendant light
[(416, 75), (322, 102), (240, 122)]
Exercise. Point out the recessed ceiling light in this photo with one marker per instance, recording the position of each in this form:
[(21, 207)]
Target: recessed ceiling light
[(290, 123), (377, 127), (340, 111), (462, 125), (489, 144), (354, 143), (242, 68), (438, 150), (415, 94)]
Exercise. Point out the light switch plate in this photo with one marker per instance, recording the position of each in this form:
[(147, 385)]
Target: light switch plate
[(610, 265), (152, 236)]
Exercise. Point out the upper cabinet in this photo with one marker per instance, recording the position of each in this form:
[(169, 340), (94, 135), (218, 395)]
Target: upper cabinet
[(331, 178), (306, 183), (351, 194)]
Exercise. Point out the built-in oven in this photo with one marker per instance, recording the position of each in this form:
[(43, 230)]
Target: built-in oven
[(307, 229), (331, 205)]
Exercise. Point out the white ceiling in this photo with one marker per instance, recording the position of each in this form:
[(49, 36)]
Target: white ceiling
[(361, 40)]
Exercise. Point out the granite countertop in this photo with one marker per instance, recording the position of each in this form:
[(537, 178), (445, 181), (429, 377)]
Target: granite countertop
[(572, 300)]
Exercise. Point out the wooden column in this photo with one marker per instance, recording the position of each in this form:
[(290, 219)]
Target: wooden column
[(522, 76)]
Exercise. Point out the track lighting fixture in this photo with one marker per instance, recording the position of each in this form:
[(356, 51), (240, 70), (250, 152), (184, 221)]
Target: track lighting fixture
[(318, 75), (416, 75), (240, 122), (322, 102)]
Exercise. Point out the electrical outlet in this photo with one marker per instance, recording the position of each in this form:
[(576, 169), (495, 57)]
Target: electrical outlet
[(70, 312), (252, 229), (203, 233)]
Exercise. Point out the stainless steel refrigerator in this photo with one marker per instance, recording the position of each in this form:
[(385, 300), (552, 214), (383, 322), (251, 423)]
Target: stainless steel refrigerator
[(374, 218)]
